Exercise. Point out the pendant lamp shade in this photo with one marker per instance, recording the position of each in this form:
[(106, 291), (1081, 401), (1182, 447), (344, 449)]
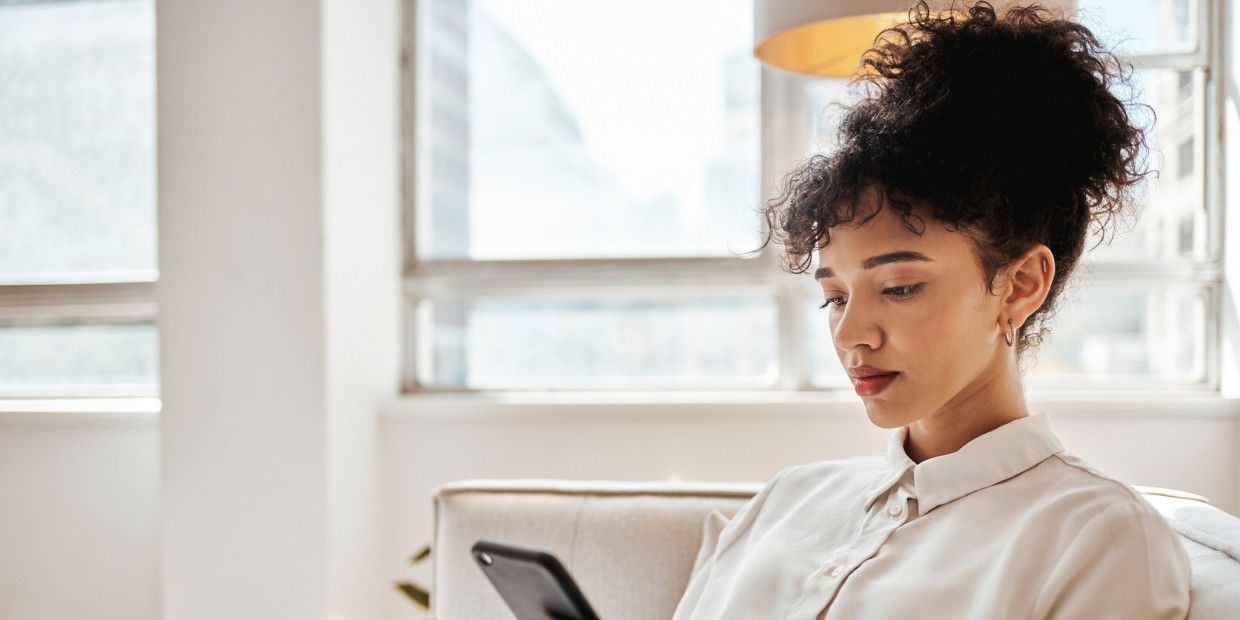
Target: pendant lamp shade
[(826, 38), (822, 38)]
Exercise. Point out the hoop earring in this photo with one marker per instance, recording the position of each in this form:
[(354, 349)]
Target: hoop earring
[(1013, 329)]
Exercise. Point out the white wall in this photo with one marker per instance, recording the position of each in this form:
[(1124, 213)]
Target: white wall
[(79, 512), (362, 272)]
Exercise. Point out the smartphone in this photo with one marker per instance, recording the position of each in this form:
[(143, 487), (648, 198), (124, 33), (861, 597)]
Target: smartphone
[(532, 581)]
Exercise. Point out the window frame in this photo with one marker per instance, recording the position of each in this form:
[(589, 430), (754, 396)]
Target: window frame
[(111, 299), (783, 134)]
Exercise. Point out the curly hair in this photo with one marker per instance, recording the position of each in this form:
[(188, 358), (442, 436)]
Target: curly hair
[(1006, 128)]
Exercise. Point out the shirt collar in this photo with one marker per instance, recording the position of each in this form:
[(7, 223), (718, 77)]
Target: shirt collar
[(987, 459)]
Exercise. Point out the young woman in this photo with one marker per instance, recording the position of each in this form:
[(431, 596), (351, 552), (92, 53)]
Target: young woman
[(946, 224)]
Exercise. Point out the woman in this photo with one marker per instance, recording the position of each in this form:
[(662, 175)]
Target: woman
[(946, 224)]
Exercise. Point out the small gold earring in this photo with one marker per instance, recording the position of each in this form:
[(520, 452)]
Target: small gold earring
[(1013, 329)]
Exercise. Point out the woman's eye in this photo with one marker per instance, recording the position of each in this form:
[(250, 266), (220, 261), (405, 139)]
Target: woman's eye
[(898, 292), (904, 291)]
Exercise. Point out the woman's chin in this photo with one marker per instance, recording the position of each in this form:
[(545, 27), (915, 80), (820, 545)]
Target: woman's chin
[(886, 414)]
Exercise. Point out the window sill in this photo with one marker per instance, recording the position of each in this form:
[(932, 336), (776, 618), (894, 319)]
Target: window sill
[(79, 411), (716, 406)]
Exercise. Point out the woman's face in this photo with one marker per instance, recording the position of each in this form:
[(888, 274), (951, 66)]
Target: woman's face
[(915, 304)]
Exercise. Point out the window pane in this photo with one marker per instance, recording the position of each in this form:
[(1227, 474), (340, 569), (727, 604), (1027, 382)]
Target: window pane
[(1170, 202), (1142, 26), (826, 100), (66, 360), (597, 342), (77, 187), (1112, 333), (1102, 336), (77, 156), (548, 136)]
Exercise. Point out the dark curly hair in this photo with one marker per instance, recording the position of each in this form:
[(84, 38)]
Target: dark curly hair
[(1007, 128)]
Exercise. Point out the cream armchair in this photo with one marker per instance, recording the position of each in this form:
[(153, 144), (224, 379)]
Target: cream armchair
[(631, 545)]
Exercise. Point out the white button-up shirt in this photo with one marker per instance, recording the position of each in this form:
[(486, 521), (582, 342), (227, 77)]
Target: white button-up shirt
[(1011, 525)]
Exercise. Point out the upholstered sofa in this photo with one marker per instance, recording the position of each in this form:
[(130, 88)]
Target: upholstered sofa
[(631, 545)]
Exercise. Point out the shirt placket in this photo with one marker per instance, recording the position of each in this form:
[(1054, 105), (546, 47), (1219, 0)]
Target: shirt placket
[(824, 583)]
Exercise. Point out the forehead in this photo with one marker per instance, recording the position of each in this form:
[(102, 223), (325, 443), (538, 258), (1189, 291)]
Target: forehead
[(885, 228), (885, 232)]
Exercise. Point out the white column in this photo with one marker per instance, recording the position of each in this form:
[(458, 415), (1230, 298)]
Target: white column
[(279, 302), (1229, 333), (1228, 78), (362, 271)]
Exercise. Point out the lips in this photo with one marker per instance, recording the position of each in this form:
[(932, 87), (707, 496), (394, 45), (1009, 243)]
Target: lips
[(873, 384), (865, 370)]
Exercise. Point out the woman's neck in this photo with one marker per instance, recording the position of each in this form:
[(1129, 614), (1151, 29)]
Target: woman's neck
[(975, 411)]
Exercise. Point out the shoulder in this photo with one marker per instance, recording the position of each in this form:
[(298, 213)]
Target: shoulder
[(1112, 551), (1077, 480), (1086, 506)]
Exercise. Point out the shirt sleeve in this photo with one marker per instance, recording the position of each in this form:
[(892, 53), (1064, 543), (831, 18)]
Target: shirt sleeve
[(717, 531), (1125, 563)]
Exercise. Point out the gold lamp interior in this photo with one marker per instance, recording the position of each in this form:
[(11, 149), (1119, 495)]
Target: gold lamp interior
[(827, 48)]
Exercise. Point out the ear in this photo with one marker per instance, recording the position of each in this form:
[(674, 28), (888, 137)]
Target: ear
[(1030, 280)]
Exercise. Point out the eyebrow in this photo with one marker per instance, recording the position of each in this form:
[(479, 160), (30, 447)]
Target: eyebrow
[(875, 261)]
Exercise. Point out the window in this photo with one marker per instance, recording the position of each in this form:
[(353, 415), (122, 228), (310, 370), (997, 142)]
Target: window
[(77, 198), (584, 203), (578, 208)]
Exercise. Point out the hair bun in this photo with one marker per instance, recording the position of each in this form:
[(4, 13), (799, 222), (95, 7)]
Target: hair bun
[(1023, 104)]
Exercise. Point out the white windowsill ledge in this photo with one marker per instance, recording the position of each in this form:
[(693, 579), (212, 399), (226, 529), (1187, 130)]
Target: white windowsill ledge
[(715, 406), (79, 411)]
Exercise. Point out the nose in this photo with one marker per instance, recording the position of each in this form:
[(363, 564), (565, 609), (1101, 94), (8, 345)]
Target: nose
[(856, 326)]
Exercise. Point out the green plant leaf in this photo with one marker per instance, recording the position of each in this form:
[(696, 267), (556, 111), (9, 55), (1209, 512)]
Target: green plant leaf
[(424, 553), (416, 593)]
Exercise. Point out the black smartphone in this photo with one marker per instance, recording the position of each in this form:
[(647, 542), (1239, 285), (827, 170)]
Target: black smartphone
[(531, 581)]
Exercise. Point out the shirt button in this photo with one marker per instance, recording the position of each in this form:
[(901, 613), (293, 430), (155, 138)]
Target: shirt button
[(835, 571), (895, 510)]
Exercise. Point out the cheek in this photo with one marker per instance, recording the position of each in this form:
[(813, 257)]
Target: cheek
[(924, 330), (941, 332)]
